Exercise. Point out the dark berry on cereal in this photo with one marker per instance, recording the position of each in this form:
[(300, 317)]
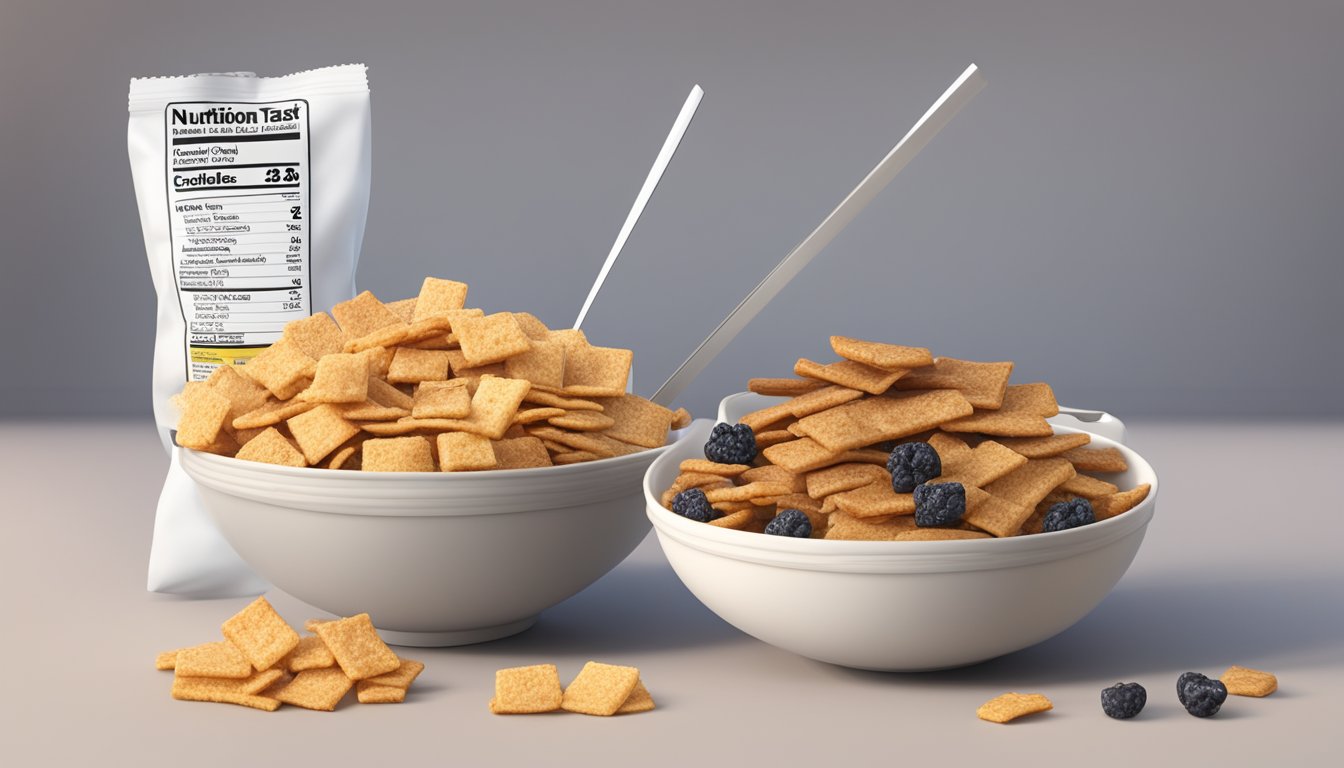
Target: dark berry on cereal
[(1123, 700), (939, 504), (790, 522), (1068, 514), (911, 464), (1201, 696), (692, 505), (731, 444)]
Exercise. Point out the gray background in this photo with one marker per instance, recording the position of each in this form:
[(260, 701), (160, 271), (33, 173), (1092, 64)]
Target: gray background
[(1142, 208)]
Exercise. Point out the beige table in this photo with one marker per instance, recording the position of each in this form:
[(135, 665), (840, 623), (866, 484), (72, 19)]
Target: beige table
[(1244, 563)]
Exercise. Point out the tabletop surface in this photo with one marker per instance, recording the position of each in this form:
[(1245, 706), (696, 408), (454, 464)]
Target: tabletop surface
[(1242, 565)]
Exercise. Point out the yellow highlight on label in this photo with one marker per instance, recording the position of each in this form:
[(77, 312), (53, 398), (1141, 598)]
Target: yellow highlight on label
[(224, 355)]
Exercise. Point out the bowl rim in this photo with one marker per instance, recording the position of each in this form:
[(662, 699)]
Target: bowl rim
[(469, 476), (897, 556)]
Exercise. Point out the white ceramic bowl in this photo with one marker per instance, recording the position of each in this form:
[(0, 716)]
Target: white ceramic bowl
[(898, 605), (435, 559)]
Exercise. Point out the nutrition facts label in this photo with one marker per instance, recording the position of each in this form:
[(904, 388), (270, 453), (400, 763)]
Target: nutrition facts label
[(238, 210)]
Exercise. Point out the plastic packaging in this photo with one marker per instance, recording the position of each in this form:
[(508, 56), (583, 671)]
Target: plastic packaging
[(253, 193)]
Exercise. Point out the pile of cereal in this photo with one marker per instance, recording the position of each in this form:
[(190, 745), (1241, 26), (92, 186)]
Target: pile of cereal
[(420, 385), (263, 663), (891, 444)]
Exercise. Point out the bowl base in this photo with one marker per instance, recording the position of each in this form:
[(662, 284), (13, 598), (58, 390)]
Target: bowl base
[(457, 637)]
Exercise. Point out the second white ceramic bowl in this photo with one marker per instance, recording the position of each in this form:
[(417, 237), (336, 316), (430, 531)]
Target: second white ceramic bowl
[(899, 605)]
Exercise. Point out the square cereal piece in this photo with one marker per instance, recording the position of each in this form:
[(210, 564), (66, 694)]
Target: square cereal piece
[(203, 418), (201, 689), (851, 375), (783, 387), (270, 414), (569, 337), (543, 364), (877, 355), (551, 400), (600, 689), (705, 466), (1087, 487), (1023, 413), (1048, 446), (271, 447), (320, 431), (212, 660), (843, 477), (769, 417), (597, 371), (356, 645), (243, 393), (260, 633), (283, 368), (320, 689), (251, 685), (316, 335), (949, 447), (310, 653), (495, 403), (875, 500), (340, 378), (562, 458), (379, 360), (582, 421), (681, 418), (397, 454), (533, 327), (403, 308), (982, 384), (1107, 507), (166, 660), (1241, 681), (640, 700), (981, 465), (876, 419), (442, 400), (527, 690), (940, 534), (1096, 459), (437, 296), (412, 366), (1029, 483), (372, 693), (462, 451), (388, 395), (401, 677), (802, 455), (1010, 706), (637, 421), (363, 315), (999, 516), (520, 453), (845, 527), (819, 400), (490, 339)]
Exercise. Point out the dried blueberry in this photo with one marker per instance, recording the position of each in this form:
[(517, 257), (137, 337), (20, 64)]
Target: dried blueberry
[(692, 505), (939, 504), (731, 444), (1201, 696), (1068, 514), (790, 522), (1123, 700), (911, 464)]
